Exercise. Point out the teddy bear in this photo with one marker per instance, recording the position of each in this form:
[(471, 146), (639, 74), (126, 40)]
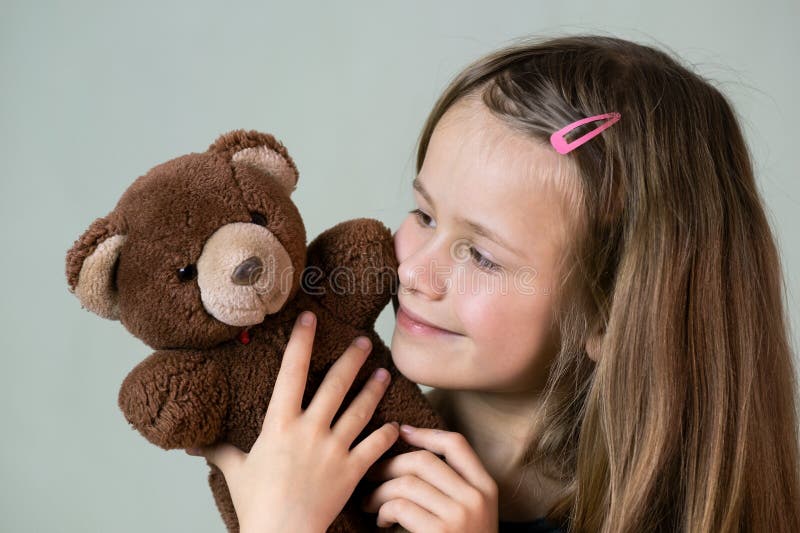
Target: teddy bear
[(204, 259)]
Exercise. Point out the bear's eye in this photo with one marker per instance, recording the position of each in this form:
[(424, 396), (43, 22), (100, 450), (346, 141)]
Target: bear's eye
[(258, 218), (187, 273)]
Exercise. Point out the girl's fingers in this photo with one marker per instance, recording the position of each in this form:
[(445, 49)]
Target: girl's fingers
[(456, 450), (328, 397), (427, 467), (369, 450), (415, 490), (287, 396), (409, 515), (226, 457), (360, 411)]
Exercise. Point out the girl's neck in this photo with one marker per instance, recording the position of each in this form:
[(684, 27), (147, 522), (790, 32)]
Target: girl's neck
[(497, 426)]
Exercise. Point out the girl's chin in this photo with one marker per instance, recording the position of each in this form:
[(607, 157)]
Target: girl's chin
[(416, 364)]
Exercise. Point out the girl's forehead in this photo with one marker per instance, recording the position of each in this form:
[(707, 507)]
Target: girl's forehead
[(476, 167), (472, 146)]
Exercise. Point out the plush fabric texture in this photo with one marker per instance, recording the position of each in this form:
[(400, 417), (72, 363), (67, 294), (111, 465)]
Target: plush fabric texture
[(210, 379)]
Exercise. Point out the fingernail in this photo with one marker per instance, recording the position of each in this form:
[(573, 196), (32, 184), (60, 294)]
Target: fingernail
[(395, 424), (362, 342), (406, 429), (307, 318), (381, 374)]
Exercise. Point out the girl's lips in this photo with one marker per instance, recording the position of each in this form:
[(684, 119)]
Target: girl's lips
[(416, 325)]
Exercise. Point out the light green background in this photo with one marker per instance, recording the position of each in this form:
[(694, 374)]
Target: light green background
[(93, 94)]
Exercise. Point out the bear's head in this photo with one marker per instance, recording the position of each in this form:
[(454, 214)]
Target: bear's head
[(199, 247)]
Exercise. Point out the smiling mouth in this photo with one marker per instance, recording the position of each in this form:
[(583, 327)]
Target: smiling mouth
[(417, 325)]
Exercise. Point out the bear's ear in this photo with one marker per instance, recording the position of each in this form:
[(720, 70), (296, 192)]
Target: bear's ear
[(260, 150), (91, 268)]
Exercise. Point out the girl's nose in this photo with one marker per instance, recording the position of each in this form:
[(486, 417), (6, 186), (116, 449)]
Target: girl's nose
[(427, 270)]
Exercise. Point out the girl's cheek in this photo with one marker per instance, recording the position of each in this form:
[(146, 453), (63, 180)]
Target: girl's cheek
[(497, 315)]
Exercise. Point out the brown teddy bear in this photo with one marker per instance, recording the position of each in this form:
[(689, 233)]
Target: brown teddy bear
[(204, 259)]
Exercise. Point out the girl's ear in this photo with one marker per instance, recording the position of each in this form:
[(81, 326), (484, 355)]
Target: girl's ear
[(593, 344), (91, 268)]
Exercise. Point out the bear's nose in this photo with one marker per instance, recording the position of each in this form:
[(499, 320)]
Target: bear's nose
[(248, 271)]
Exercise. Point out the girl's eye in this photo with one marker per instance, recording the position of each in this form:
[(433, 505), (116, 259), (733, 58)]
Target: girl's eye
[(422, 218), (482, 261)]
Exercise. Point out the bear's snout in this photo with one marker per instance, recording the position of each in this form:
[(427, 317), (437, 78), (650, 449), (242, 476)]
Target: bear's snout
[(244, 273)]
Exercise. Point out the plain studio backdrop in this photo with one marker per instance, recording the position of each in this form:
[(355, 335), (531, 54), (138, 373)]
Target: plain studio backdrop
[(93, 94)]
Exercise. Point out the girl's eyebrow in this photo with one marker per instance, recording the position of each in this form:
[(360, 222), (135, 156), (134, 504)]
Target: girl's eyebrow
[(474, 226)]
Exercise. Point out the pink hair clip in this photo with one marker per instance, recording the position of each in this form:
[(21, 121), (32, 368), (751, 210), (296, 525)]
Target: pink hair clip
[(561, 145)]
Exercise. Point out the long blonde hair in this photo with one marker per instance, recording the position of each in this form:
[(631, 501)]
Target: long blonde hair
[(688, 421)]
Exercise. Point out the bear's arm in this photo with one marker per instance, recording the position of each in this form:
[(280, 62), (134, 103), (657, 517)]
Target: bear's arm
[(352, 270), (175, 399)]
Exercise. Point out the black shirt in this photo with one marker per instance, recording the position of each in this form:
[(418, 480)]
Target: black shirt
[(540, 525)]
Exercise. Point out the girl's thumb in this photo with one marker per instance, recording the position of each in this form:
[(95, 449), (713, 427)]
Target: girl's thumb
[(222, 455)]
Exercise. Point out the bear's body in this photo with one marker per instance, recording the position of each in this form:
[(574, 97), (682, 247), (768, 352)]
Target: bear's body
[(204, 258)]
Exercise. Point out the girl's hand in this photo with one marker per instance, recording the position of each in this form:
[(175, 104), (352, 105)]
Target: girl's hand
[(300, 472), (425, 493)]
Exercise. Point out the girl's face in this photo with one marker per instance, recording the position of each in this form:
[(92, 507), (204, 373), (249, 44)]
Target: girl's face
[(477, 258)]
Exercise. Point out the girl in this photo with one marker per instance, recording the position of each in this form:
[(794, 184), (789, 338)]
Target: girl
[(591, 287)]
